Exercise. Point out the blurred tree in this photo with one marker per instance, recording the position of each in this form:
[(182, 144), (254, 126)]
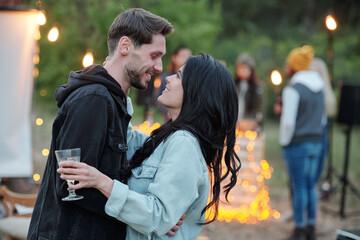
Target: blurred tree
[(84, 25), (268, 30)]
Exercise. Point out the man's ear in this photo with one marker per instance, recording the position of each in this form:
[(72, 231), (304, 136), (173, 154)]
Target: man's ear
[(124, 45)]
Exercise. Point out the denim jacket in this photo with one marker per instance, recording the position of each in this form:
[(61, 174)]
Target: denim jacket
[(172, 181)]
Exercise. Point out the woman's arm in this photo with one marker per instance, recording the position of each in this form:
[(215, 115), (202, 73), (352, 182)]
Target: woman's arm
[(180, 174), (290, 103)]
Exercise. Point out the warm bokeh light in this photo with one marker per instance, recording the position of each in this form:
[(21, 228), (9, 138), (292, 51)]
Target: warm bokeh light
[(45, 152), (260, 178), (88, 59), (37, 35), (39, 121), (330, 23), (157, 82), (253, 188), (36, 177), (264, 164), (276, 215), (36, 59), (53, 34), (251, 135), (40, 18), (43, 92), (146, 128), (35, 72), (276, 78), (250, 147)]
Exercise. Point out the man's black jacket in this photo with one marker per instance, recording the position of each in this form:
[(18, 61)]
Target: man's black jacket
[(93, 117)]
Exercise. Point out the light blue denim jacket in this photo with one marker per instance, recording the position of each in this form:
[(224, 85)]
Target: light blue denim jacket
[(172, 181)]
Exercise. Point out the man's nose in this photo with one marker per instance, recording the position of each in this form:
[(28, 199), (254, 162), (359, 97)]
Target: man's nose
[(158, 66)]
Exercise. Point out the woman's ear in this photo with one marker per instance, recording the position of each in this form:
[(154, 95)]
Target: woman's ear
[(124, 45)]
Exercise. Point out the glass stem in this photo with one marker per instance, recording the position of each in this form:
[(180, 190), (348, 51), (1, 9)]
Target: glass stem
[(71, 192)]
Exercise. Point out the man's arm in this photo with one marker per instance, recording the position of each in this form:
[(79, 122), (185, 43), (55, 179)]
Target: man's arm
[(85, 126)]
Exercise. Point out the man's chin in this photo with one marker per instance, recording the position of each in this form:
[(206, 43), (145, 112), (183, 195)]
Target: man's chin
[(140, 86)]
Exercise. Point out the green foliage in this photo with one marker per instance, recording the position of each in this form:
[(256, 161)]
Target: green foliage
[(267, 30), (85, 26), (196, 24)]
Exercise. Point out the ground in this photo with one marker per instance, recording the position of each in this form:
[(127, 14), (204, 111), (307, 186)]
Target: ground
[(277, 229)]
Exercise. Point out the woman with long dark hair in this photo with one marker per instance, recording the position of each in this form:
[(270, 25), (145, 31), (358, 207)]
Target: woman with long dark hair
[(171, 173), (250, 93)]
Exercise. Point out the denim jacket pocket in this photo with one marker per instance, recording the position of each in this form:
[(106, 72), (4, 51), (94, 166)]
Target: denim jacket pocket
[(143, 176)]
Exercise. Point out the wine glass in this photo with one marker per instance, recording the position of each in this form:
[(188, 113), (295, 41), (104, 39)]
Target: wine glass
[(69, 155)]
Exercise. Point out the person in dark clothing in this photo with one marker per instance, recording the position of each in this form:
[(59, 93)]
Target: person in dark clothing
[(93, 116)]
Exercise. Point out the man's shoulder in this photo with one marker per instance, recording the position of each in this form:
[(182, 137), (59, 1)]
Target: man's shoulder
[(92, 89)]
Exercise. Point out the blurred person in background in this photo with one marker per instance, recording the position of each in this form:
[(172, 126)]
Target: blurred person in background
[(319, 65), (250, 93), (301, 123)]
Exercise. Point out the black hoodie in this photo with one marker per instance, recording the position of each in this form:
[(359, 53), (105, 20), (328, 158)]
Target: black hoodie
[(92, 116), (90, 75)]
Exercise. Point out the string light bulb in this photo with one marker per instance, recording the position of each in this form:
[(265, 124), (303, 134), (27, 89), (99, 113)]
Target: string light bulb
[(330, 23), (53, 34), (36, 177), (39, 121), (276, 77), (40, 18), (88, 59)]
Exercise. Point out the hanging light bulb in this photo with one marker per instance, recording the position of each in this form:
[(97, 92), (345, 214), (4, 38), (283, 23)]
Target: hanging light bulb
[(88, 59), (330, 23), (276, 77), (40, 18), (39, 121), (53, 34), (36, 177)]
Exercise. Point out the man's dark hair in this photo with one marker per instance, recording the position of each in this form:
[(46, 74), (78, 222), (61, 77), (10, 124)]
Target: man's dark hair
[(139, 25)]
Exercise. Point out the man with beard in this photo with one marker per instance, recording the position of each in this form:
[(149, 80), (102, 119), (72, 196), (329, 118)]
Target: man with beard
[(94, 114)]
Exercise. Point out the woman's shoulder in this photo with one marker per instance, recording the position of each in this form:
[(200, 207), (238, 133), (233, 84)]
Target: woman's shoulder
[(183, 134), (182, 137)]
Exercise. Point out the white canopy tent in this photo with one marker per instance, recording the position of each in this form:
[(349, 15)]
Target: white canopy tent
[(17, 48)]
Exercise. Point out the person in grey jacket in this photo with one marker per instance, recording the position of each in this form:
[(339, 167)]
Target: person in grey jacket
[(170, 172), (301, 123)]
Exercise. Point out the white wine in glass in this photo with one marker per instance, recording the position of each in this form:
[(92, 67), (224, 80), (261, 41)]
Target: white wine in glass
[(69, 155)]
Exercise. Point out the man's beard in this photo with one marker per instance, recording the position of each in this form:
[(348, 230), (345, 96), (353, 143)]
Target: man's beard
[(134, 77)]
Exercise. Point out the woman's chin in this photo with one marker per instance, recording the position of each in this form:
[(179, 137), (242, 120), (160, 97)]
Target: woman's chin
[(160, 99)]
